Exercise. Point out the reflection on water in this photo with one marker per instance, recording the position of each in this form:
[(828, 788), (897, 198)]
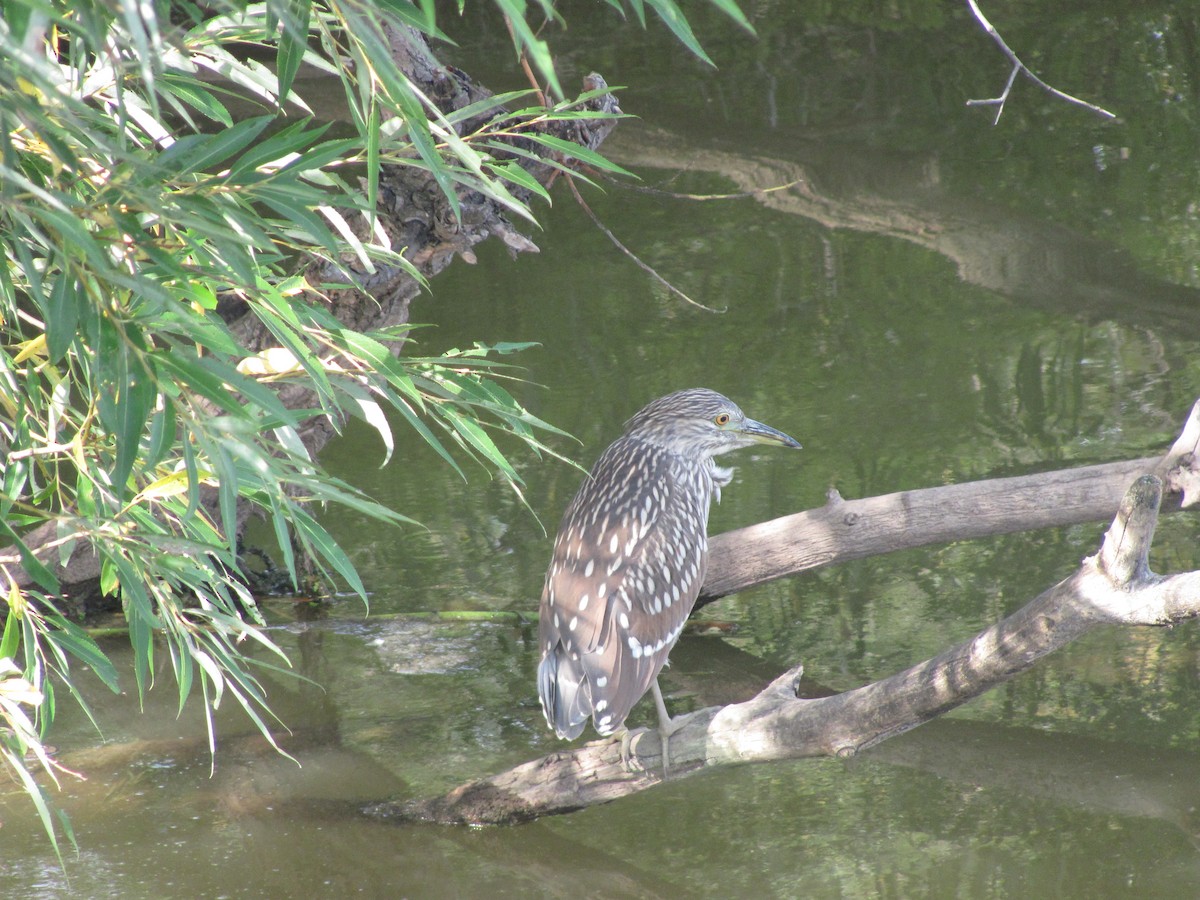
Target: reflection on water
[(934, 301)]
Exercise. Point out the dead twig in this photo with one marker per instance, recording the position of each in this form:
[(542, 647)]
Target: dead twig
[(1018, 69), (525, 67), (645, 267), (700, 198)]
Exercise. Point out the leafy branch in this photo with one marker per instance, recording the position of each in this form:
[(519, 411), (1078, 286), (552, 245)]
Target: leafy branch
[(139, 419)]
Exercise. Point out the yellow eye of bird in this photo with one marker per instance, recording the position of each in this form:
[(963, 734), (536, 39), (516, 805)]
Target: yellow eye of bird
[(722, 419)]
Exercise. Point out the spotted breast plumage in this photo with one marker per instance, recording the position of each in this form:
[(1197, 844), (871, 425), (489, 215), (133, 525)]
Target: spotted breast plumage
[(630, 556)]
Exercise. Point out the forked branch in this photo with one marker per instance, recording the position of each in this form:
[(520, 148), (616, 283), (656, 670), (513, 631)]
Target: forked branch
[(1019, 68), (1116, 586)]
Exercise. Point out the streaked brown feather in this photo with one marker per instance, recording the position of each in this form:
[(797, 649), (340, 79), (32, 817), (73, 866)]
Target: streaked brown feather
[(630, 556)]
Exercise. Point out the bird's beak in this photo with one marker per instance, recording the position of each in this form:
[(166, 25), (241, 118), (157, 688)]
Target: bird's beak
[(765, 434)]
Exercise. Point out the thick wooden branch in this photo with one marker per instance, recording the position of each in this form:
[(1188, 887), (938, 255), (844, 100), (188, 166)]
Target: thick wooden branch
[(843, 530), (1116, 586)]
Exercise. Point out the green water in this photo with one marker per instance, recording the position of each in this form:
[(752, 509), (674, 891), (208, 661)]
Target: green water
[(937, 300)]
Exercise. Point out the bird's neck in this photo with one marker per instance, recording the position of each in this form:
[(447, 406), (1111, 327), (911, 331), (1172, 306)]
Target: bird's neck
[(720, 477)]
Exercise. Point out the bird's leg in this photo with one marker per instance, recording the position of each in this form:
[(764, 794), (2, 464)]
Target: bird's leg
[(666, 726)]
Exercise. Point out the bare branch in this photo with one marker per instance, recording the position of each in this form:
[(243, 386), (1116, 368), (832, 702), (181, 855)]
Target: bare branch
[(843, 530), (1116, 586), (645, 267), (1020, 68)]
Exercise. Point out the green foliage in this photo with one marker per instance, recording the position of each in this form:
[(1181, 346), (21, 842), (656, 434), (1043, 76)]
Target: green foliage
[(134, 422)]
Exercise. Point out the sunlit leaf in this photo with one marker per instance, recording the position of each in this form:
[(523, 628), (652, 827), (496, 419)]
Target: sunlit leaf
[(79, 644), (199, 152), (31, 564), (581, 153), (293, 43)]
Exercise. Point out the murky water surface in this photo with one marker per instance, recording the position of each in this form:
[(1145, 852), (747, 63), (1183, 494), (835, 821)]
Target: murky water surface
[(934, 300)]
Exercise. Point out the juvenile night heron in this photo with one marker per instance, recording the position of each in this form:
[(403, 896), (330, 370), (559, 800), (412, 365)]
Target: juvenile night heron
[(630, 557)]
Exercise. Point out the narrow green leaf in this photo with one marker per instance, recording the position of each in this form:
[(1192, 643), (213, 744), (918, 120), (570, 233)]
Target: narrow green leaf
[(126, 394), (72, 639), (478, 439), (424, 20), (36, 794), (526, 40), (199, 152), (674, 18), (417, 129), (374, 137), (227, 491), (279, 521), (197, 95), (577, 151), (193, 475), (61, 309), (181, 663), (513, 172), (293, 44), (731, 9), (292, 139), (11, 641), (163, 430), (31, 564), (488, 105), (327, 549)]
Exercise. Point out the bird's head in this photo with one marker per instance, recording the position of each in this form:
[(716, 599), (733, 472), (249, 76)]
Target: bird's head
[(698, 422)]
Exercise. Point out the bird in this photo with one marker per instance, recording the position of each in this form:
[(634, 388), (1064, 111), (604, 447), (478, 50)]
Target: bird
[(629, 560)]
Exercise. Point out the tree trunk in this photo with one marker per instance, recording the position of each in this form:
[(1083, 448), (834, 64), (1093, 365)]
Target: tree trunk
[(1113, 587)]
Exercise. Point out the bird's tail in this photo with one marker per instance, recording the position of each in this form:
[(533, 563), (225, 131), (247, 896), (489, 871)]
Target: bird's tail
[(565, 693)]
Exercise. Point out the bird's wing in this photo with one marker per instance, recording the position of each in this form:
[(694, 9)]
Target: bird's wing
[(627, 566)]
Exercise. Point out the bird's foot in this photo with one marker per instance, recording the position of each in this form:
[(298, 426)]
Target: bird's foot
[(667, 726), (628, 758), (666, 729)]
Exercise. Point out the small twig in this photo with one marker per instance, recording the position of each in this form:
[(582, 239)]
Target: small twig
[(643, 266), (659, 192), (541, 97), (1019, 68)]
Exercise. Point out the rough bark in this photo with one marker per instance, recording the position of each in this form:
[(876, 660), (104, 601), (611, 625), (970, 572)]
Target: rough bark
[(842, 530), (1114, 587)]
